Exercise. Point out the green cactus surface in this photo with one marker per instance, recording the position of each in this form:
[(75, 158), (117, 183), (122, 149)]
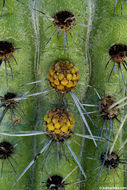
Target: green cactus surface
[(29, 26)]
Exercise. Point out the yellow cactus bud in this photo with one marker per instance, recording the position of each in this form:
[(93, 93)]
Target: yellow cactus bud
[(48, 120), (55, 120), (71, 119), (69, 76), (74, 70), (61, 76), (51, 79), (51, 71), (74, 83), (60, 87), (64, 128), (56, 82), (74, 77), (68, 123), (64, 75), (57, 131), (45, 117), (55, 76), (70, 84), (57, 125), (78, 75), (64, 82), (50, 127), (52, 84), (71, 127)]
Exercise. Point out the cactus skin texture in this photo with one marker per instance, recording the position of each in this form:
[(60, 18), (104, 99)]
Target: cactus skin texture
[(30, 30)]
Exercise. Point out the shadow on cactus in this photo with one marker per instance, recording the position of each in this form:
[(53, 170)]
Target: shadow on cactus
[(63, 21)]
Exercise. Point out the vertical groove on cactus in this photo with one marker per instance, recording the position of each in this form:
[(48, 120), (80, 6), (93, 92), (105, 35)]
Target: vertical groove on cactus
[(36, 65)]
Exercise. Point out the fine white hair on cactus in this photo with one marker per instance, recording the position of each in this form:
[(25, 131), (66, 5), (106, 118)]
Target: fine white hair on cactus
[(110, 158), (112, 162), (6, 153), (65, 86), (4, 6), (116, 137), (118, 54), (121, 6), (57, 181), (7, 50), (48, 144), (108, 109), (54, 138), (11, 105), (63, 21), (10, 101)]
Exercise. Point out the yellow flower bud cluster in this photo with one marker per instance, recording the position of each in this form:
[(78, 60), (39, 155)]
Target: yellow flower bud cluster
[(63, 76), (59, 124)]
